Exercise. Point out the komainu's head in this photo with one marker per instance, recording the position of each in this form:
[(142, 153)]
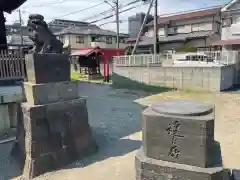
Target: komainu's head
[(36, 25)]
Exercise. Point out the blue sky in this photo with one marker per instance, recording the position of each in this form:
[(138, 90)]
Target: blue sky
[(57, 8)]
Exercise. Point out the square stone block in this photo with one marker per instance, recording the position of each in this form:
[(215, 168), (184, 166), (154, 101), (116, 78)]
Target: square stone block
[(61, 117), (37, 94), (179, 138), (53, 135), (152, 169), (56, 125), (45, 68)]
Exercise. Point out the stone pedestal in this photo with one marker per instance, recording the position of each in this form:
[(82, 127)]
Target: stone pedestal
[(54, 128), (178, 142)]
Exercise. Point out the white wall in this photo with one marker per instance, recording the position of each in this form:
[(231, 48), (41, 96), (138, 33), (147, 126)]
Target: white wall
[(187, 78), (71, 40), (233, 31)]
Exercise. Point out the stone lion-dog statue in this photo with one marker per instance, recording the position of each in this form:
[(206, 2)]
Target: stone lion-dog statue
[(44, 40)]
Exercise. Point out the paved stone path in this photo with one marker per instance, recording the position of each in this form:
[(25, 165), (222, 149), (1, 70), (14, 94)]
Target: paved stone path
[(115, 121)]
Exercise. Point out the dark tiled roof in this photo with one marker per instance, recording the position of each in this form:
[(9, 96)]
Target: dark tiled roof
[(179, 37), (91, 30), (187, 15)]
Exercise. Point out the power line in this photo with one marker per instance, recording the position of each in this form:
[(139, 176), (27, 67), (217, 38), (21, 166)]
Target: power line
[(121, 21), (47, 4), (96, 15), (71, 13), (104, 18), (110, 10), (107, 17), (81, 10)]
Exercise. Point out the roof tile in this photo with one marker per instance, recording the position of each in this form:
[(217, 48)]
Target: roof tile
[(187, 15)]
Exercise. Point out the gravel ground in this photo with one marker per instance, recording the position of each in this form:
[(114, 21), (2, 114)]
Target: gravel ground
[(115, 120), (227, 120)]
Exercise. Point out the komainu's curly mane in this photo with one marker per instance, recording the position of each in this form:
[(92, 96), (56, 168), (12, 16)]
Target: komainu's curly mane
[(44, 40)]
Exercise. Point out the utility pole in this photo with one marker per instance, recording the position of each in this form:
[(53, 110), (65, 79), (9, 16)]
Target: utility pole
[(156, 48), (20, 21), (116, 8), (143, 25), (117, 22)]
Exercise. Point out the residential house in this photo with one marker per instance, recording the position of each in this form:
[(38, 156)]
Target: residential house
[(17, 36), (16, 28), (16, 41), (76, 38), (197, 28), (59, 24), (230, 38)]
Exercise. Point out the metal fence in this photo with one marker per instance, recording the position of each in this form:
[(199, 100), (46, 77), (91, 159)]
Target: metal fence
[(222, 57), (12, 65), (138, 60)]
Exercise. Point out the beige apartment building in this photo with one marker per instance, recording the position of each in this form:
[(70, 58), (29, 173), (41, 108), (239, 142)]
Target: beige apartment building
[(76, 38), (199, 28), (230, 36)]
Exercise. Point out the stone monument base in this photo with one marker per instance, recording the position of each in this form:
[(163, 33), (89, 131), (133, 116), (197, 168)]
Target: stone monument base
[(152, 169), (53, 135)]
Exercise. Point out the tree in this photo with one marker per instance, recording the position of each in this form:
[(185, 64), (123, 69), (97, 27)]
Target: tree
[(188, 48)]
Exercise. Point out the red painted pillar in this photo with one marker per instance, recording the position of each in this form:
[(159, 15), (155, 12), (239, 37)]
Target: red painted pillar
[(107, 70), (104, 67)]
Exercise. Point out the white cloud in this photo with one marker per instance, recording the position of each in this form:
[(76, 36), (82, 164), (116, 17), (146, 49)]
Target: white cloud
[(57, 10)]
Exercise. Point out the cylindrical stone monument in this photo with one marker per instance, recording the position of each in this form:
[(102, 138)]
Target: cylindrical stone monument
[(178, 142)]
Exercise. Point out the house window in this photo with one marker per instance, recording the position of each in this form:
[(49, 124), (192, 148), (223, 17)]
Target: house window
[(96, 39), (175, 29), (61, 38), (195, 27), (227, 22), (218, 27), (122, 40), (80, 39), (172, 30), (149, 33), (109, 40)]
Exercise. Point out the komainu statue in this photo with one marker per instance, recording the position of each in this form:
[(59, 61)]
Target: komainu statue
[(44, 40)]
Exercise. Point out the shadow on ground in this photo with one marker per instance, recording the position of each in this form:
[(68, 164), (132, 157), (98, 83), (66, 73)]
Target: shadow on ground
[(123, 82), (113, 117), (113, 149), (234, 89), (8, 167), (112, 112), (217, 154)]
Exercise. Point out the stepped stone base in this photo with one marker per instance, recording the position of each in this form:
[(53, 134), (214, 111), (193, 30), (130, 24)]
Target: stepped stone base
[(152, 169), (50, 92), (53, 135)]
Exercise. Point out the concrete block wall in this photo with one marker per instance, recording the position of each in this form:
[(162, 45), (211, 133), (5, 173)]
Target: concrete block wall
[(186, 78), (10, 99)]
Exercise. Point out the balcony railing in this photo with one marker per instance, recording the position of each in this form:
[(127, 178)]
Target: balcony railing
[(106, 45), (217, 57)]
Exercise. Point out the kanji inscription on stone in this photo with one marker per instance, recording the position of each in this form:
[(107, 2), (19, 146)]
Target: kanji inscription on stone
[(174, 130)]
